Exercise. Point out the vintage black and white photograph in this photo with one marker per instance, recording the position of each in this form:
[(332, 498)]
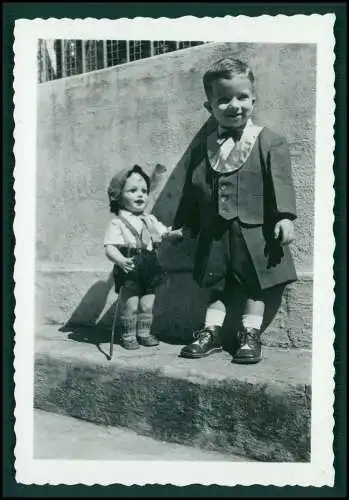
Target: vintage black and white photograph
[(174, 251)]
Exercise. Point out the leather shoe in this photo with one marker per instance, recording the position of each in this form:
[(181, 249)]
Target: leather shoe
[(129, 343), (250, 347), (149, 341), (207, 341)]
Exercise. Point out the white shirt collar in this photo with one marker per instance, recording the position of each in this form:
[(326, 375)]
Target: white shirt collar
[(129, 215)]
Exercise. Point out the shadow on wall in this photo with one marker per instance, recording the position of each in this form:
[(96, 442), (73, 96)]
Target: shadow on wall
[(180, 304), (88, 312)]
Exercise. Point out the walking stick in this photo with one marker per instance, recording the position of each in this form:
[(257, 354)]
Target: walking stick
[(111, 347)]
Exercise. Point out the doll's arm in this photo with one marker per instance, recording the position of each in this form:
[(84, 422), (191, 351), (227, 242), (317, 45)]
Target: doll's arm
[(114, 254), (167, 232), (174, 234), (162, 231), (112, 239)]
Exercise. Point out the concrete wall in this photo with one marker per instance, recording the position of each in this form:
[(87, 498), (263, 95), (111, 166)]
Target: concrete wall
[(148, 112)]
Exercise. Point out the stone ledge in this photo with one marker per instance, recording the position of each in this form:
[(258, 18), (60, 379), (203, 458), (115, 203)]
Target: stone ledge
[(260, 411)]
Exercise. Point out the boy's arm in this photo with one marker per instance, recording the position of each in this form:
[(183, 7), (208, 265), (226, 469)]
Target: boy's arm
[(187, 214), (280, 175), (281, 190)]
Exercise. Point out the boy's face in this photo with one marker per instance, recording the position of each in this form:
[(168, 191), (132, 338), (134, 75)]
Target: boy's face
[(231, 101), (134, 195)]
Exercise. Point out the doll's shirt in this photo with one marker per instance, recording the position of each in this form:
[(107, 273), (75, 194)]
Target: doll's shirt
[(119, 234)]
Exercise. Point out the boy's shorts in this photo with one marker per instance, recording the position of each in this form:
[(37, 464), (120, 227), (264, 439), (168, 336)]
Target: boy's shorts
[(230, 261), (146, 276), (225, 257), (240, 267)]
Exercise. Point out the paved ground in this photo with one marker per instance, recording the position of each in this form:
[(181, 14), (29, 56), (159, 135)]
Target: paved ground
[(67, 438)]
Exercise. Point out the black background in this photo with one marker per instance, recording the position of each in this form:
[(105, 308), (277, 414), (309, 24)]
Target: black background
[(13, 11)]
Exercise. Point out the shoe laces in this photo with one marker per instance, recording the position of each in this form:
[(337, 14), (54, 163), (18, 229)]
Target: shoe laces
[(247, 335), (202, 336)]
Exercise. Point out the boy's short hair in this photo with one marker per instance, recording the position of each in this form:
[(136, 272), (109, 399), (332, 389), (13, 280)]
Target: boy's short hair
[(117, 184), (226, 68)]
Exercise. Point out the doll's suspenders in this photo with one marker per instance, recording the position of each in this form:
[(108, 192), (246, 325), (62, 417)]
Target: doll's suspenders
[(134, 232)]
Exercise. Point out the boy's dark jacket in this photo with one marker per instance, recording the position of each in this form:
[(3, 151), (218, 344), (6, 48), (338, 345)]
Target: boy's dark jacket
[(259, 194)]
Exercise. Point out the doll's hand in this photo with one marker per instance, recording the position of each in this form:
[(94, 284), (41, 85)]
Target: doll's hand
[(284, 231), (127, 264), (176, 234)]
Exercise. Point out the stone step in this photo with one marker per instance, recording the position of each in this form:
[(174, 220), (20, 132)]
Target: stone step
[(258, 411)]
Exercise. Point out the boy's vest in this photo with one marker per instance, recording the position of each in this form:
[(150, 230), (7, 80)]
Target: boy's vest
[(247, 193)]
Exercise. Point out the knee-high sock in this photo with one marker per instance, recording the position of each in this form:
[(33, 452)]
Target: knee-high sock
[(144, 324), (252, 321), (253, 314), (128, 326), (214, 317)]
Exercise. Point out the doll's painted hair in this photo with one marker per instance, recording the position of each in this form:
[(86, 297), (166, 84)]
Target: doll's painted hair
[(117, 184), (226, 68)]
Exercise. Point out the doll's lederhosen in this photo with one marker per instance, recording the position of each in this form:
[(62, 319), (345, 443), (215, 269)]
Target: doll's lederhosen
[(235, 237), (147, 274)]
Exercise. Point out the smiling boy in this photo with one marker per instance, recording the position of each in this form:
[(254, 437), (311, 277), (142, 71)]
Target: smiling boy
[(239, 201)]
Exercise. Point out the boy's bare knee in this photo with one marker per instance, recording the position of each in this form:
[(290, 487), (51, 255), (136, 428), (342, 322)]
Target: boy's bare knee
[(146, 303)]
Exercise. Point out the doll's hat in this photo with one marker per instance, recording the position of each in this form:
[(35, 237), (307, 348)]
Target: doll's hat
[(119, 179)]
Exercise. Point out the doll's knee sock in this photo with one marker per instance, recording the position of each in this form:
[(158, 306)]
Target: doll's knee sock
[(128, 327), (144, 324), (253, 314), (215, 314)]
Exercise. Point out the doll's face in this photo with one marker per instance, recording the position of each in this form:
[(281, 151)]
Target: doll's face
[(134, 196), (231, 101)]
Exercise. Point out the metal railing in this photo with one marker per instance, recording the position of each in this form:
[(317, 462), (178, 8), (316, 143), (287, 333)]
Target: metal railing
[(62, 58)]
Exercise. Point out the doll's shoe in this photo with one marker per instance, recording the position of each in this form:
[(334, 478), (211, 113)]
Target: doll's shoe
[(250, 347), (129, 343), (207, 341), (149, 341)]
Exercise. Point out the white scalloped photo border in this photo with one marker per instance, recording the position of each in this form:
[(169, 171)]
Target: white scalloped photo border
[(316, 29)]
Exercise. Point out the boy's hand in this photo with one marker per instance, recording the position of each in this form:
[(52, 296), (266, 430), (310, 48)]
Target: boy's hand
[(127, 264), (284, 231)]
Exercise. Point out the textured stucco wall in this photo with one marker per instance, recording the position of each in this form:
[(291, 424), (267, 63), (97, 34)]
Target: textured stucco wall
[(148, 112)]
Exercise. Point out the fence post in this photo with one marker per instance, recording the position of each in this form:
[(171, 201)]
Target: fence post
[(151, 48), (127, 50), (44, 61), (105, 55), (83, 56), (64, 69)]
